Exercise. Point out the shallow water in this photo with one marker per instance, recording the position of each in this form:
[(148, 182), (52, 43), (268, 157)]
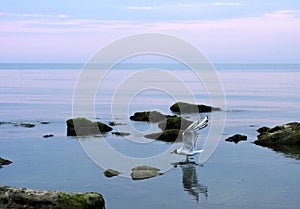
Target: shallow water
[(236, 176)]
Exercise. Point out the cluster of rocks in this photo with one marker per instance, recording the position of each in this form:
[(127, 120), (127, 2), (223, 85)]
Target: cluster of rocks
[(137, 173), (19, 198), (171, 125)]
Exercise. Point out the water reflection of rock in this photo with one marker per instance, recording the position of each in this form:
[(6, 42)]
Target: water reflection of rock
[(190, 182)]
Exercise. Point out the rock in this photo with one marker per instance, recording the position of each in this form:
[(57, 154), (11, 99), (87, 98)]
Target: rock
[(144, 172), (236, 138), (4, 162), (170, 135), (174, 123), (285, 138), (44, 122), (85, 127), (48, 135), (110, 173), (27, 125), (288, 134), (121, 133), (183, 107), (149, 116), (17, 198), (113, 123)]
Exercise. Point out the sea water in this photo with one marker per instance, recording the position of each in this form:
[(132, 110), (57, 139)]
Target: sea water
[(241, 175)]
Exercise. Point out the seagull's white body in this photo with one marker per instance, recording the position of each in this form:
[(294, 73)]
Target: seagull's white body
[(189, 139)]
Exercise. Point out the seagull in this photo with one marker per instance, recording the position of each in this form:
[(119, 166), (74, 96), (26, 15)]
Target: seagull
[(189, 139)]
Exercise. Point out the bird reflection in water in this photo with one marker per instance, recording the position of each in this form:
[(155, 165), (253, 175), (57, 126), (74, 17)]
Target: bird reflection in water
[(190, 182)]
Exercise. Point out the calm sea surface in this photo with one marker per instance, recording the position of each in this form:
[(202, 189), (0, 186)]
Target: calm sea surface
[(240, 175)]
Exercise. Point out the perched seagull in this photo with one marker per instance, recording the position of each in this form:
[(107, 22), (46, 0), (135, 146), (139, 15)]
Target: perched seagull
[(189, 139)]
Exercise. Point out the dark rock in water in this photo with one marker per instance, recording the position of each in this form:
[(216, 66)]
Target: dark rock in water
[(236, 138), (17, 198), (149, 116), (285, 138), (48, 135), (113, 123), (5, 123), (4, 162), (170, 135), (144, 172), (121, 133), (174, 123), (27, 125), (84, 127), (183, 107), (44, 122), (111, 173)]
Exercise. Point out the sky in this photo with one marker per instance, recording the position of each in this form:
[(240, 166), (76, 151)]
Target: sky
[(226, 31)]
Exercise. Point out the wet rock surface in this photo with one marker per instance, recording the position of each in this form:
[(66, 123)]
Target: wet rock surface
[(111, 173), (184, 107), (144, 172), (236, 138), (84, 127), (170, 135), (17, 198), (4, 162), (285, 138)]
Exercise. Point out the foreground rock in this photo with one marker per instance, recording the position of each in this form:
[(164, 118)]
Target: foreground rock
[(120, 133), (83, 127), (176, 122), (4, 162), (183, 107), (285, 138), (13, 197), (149, 116), (236, 138), (111, 173), (170, 135), (144, 172)]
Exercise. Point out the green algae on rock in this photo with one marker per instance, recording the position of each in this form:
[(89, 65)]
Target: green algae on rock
[(17, 198)]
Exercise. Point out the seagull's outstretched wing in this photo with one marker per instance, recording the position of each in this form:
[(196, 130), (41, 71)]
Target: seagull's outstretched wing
[(190, 135)]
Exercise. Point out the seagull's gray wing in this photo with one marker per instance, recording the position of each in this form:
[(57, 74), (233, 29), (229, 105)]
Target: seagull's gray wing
[(190, 135), (189, 141)]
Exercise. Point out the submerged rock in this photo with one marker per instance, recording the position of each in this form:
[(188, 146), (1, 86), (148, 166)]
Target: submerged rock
[(110, 173), (48, 135), (83, 127), (176, 122), (183, 107), (27, 125), (121, 133), (148, 116), (17, 198), (285, 138), (144, 172), (236, 138), (113, 123), (4, 162), (170, 135)]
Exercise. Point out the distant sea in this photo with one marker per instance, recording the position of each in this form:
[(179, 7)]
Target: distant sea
[(241, 175)]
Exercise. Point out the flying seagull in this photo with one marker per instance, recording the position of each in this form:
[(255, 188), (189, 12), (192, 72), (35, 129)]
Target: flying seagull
[(189, 139)]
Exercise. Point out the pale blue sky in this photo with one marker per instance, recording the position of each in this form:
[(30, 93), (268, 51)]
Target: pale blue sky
[(226, 31)]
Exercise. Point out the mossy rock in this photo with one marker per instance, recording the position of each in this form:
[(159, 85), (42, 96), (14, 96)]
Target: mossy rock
[(170, 135), (285, 139), (111, 173), (83, 127), (184, 107), (144, 172), (174, 123), (14, 197), (236, 138), (148, 116)]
